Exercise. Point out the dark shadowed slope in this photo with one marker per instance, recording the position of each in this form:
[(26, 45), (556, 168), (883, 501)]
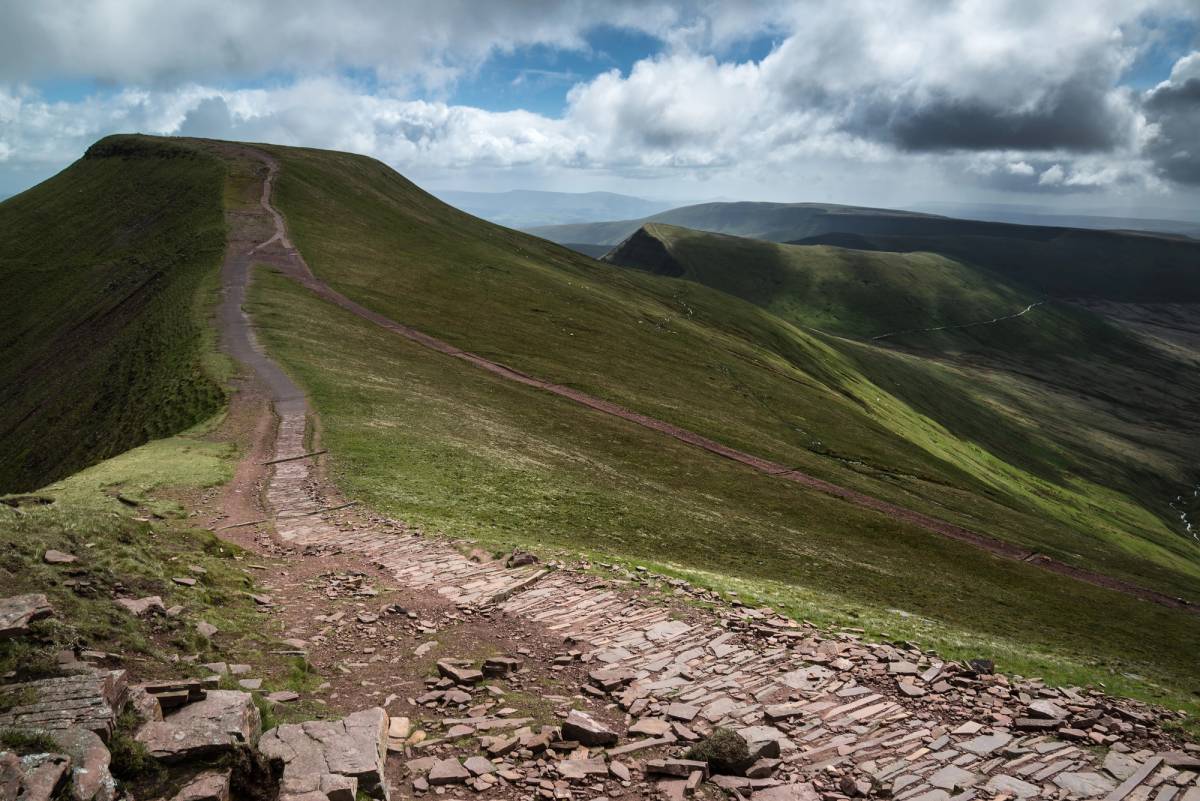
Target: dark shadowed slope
[(102, 331)]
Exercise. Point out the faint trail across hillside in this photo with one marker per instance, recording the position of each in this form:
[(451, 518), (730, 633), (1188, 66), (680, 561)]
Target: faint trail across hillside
[(287, 258), (992, 321)]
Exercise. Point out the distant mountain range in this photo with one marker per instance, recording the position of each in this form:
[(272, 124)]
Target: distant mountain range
[(522, 208), (1051, 260)]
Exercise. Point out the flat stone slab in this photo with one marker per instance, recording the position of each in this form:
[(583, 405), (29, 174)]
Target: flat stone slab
[(1012, 786), (224, 721), (355, 747), (85, 700), (18, 611), (1085, 785), (798, 791), (586, 730)]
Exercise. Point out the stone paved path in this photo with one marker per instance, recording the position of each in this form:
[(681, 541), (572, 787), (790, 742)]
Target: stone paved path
[(899, 719)]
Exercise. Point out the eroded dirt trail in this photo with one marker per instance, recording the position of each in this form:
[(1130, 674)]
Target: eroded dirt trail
[(827, 713)]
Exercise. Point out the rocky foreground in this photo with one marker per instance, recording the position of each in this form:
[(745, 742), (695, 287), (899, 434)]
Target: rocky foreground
[(666, 698)]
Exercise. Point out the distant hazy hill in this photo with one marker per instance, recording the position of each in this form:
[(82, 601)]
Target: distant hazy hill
[(522, 208), (1025, 215), (1061, 262)]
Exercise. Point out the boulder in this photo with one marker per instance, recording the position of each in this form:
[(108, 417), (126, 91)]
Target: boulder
[(586, 730), (221, 723), (42, 776), (90, 777), (354, 747), (18, 611), (53, 557), (211, 785)]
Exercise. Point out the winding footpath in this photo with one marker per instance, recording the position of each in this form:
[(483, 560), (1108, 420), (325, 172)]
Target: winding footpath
[(889, 720), (992, 321)]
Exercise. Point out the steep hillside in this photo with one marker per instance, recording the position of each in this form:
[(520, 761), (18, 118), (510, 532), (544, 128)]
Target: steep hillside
[(1061, 262), (697, 358), (1024, 357), (102, 336)]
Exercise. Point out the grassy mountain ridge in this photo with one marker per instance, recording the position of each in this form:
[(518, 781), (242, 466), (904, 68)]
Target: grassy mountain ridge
[(1061, 262), (103, 349), (700, 359)]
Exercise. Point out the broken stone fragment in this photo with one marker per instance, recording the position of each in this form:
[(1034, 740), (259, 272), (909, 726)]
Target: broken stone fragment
[(459, 671), (581, 769), (53, 557), (184, 581), (479, 766), (586, 730), (224, 721), (18, 611), (210, 785), (684, 712), (283, 697), (447, 771), (652, 727), (610, 679), (501, 665), (355, 746), (140, 607), (1047, 710), (206, 629), (399, 728)]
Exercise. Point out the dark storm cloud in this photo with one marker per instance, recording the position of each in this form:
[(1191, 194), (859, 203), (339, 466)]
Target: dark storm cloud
[(1071, 119), (1175, 108), (1075, 116)]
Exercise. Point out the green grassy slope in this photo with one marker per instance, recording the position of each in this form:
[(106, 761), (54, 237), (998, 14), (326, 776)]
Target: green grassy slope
[(451, 448), (1134, 417), (103, 266), (701, 359), (1062, 262)]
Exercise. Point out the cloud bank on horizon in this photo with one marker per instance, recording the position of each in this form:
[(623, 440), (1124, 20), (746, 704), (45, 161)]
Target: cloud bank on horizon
[(844, 100)]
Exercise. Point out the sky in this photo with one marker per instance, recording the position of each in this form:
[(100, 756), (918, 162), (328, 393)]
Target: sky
[(1073, 105)]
